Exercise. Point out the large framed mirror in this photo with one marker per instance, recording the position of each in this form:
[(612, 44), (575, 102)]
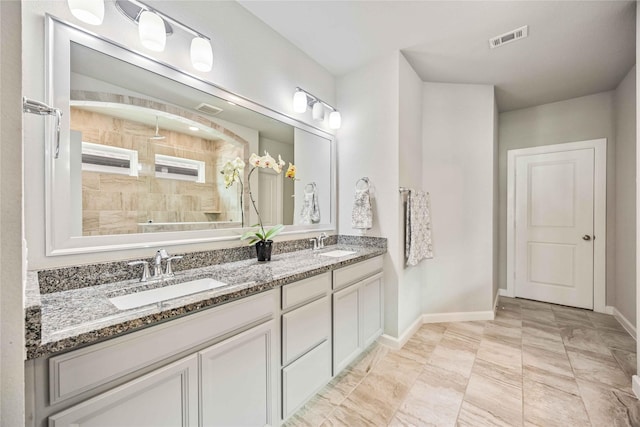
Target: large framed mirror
[(143, 147)]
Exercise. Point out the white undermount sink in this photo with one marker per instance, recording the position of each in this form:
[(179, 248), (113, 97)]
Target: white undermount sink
[(338, 253), (138, 299)]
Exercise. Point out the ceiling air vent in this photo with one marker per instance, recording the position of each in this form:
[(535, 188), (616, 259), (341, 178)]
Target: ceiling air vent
[(509, 37), (208, 109)]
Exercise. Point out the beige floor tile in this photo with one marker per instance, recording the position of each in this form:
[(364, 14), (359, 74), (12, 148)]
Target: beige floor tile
[(617, 340), (548, 406), (501, 354), (472, 416), (536, 364), (369, 359), (535, 305), (434, 399), (543, 336), (548, 367), (504, 332), (343, 417), (488, 395), (540, 316), (607, 406), (418, 349), (341, 386), (455, 355), (627, 361), (586, 339), (465, 330), (598, 368), (605, 321)]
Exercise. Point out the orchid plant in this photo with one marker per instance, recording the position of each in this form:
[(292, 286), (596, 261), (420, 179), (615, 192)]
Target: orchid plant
[(232, 171)]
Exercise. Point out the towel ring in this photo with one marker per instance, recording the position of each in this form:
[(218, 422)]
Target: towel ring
[(363, 184)]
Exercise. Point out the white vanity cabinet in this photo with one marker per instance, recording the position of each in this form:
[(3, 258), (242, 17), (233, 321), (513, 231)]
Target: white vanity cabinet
[(238, 387), (306, 340), (218, 367), (165, 397), (357, 310)]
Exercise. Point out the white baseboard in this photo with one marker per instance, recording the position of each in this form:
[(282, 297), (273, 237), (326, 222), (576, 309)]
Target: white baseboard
[(628, 326), (398, 343), (504, 293), (635, 386), (466, 316)]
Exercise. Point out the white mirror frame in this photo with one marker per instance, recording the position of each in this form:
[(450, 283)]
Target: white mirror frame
[(59, 237)]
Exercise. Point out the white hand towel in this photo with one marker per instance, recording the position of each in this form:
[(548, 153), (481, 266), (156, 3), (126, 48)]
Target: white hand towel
[(418, 245)]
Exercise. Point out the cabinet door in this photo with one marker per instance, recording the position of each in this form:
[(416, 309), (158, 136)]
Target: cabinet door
[(346, 327), (371, 303), (165, 397), (237, 379)]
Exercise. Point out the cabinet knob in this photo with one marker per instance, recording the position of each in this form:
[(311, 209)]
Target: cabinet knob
[(586, 237)]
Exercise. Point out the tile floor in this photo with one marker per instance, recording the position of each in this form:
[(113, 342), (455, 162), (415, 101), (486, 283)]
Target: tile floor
[(536, 364)]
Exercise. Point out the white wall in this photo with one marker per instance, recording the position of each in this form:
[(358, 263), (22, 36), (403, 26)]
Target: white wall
[(458, 168), (579, 119), (250, 59), (11, 265), (625, 212), (411, 279), (496, 201), (368, 146)]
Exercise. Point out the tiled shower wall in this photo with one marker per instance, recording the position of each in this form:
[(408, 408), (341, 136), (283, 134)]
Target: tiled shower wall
[(116, 204)]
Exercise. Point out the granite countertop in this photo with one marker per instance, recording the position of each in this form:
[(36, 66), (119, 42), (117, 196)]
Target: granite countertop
[(67, 319)]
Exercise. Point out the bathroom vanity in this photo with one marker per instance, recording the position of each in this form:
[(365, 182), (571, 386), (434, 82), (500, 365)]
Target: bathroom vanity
[(248, 353)]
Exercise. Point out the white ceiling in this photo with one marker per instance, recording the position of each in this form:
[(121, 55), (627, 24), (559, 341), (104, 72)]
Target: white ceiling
[(574, 48)]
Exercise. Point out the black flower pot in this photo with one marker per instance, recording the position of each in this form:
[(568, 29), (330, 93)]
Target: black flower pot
[(263, 250)]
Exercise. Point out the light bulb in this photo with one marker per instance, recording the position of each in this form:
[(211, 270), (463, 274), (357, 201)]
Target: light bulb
[(89, 11), (299, 102), (335, 120), (152, 32), (201, 54), (317, 112)]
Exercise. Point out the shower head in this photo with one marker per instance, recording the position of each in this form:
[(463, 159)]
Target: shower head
[(157, 136)]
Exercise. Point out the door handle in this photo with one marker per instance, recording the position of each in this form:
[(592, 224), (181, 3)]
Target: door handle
[(586, 237)]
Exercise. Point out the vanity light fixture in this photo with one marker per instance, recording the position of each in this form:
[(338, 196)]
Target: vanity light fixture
[(155, 26), (201, 54), (302, 99), (317, 112), (335, 120), (151, 31), (299, 101), (89, 11)]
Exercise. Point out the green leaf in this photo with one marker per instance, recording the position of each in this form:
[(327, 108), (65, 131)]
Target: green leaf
[(273, 231)]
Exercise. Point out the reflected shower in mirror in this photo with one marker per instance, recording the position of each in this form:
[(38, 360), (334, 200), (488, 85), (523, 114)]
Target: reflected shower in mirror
[(149, 153)]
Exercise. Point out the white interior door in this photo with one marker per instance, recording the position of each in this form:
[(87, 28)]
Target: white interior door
[(554, 227), (270, 202)]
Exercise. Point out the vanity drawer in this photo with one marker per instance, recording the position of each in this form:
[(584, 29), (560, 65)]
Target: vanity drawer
[(76, 372), (304, 377), (347, 275), (304, 328), (305, 290)]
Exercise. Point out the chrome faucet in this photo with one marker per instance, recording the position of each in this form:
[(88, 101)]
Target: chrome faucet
[(314, 240), (157, 263), (321, 238), (145, 269)]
